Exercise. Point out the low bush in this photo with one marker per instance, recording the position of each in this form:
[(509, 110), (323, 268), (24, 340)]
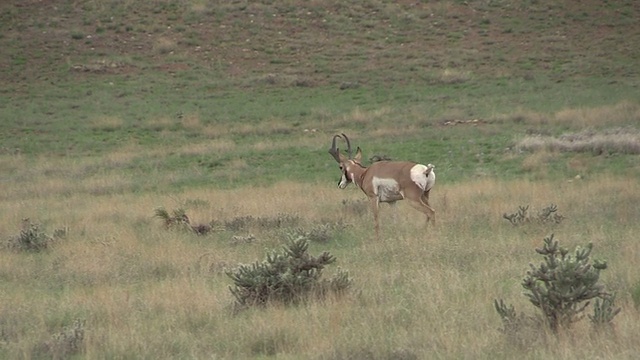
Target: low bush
[(33, 238), (289, 276)]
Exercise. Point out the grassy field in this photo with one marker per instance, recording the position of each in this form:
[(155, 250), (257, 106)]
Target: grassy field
[(109, 110), (146, 292)]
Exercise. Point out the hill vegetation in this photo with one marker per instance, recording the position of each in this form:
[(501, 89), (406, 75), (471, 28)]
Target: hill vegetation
[(318, 43)]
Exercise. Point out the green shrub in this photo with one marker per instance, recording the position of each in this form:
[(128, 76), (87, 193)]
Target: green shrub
[(562, 286), (290, 275)]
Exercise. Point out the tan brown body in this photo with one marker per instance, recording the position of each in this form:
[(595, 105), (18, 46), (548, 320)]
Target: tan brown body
[(387, 181)]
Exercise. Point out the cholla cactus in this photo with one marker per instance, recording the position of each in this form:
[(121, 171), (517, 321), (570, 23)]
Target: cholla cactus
[(64, 344), (519, 217), (562, 287), (603, 312), (289, 276), (31, 238), (179, 219), (563, 284), (548, 215)]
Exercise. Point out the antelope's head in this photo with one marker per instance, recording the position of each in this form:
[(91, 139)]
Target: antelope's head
[(347, 164)]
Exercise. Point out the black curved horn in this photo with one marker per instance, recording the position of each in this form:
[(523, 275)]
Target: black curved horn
[(348, 145), (334, 151)]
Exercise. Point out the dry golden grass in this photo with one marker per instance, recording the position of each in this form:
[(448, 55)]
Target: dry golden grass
[(191, 121), (624, 113), (524, 116), (164, 45), (362, 117), (537, 162), (453, 76), (217, 146), (421, 292), (106, 123), (611, 141), (159, 123), (578, 119)]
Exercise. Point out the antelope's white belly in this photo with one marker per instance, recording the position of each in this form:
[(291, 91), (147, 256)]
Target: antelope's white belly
[(387, 190)]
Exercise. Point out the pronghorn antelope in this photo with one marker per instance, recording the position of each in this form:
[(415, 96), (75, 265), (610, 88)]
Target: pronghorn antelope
[(386, 181)]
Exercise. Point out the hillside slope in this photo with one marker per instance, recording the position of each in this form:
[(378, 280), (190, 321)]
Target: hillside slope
[(316, 43)]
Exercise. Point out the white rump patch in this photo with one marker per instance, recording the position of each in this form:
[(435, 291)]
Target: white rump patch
[(423, 176), (387, 190)]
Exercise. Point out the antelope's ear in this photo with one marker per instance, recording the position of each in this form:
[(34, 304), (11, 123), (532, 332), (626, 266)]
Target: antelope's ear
[(358, 156)]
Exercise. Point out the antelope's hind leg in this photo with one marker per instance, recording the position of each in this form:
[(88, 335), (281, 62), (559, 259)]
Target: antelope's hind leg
[(425, 200), (424, 208), (375, 206)]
